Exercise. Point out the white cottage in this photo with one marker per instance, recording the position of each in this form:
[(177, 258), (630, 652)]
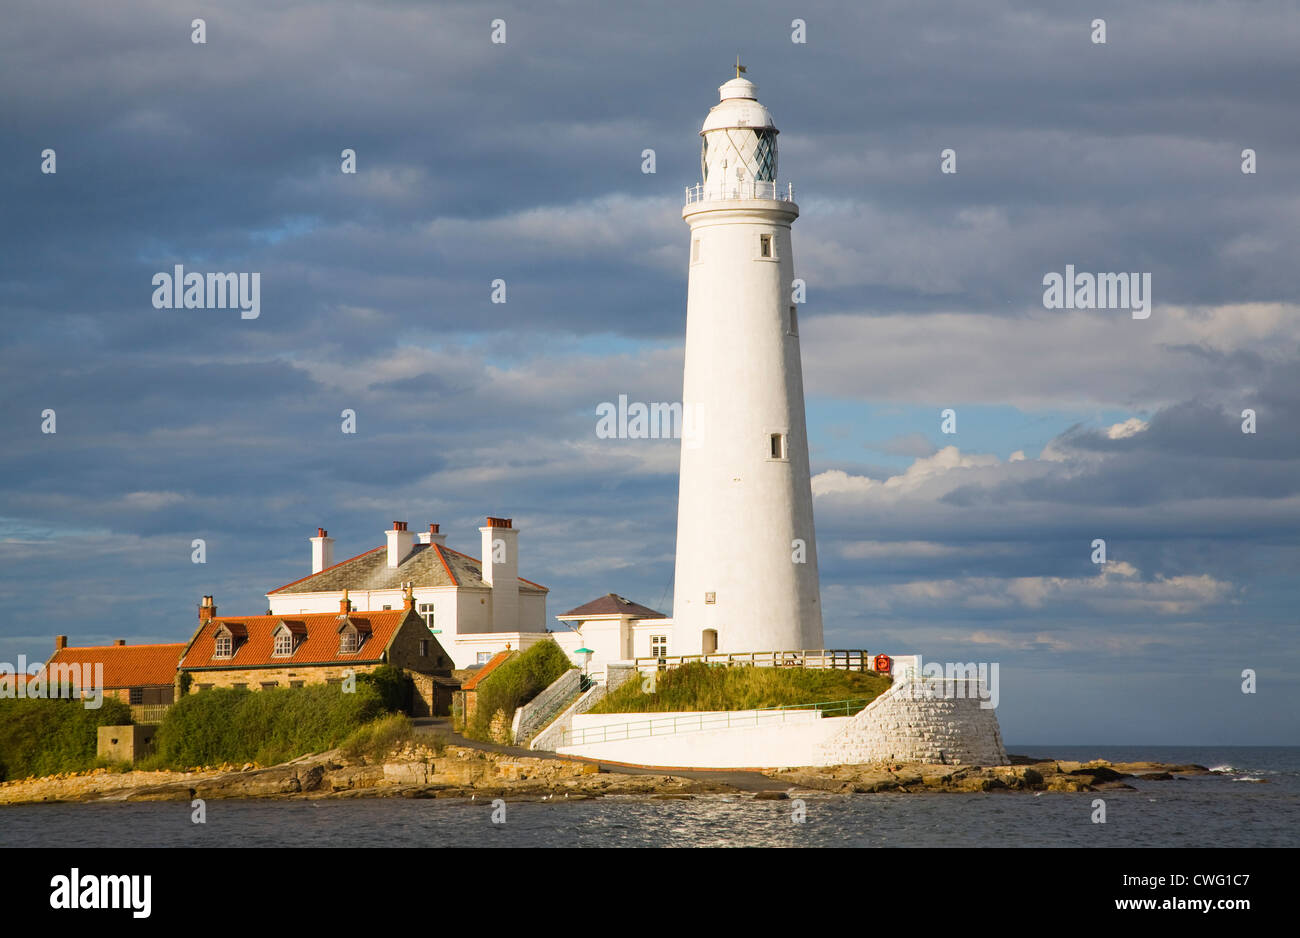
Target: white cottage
[(476, 606)]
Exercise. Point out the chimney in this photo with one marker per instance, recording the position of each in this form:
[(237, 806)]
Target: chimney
[(322, 551), (120, 642), (345, 604), (501, 572), (400, 542), (433, 536), (60, 642), (207, 610)]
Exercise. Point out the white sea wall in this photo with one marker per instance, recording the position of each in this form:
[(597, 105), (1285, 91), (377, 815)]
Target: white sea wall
[(916, 722)]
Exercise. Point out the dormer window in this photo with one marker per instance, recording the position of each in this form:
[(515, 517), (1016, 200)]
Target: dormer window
[(349, 641), (283, 642), (227, 639)]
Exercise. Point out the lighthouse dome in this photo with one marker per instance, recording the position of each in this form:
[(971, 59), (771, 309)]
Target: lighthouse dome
[(738, 152)]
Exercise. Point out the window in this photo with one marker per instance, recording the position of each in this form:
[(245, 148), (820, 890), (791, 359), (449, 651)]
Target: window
[(695, 251), (424, 648), (387, 606), (270, 685), (239, 686), (765, 156), (348, 642), (225, 647), (792, 327), (426, 610), (137, 695), (778, 446), (295, 683), (206, 686), (658, 646), (483, 657), (333, 681), (765, 245), (710, 598), (283, 643)]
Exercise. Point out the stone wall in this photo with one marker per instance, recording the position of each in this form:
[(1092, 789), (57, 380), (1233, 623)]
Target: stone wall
[(904, 724), (533, 715)]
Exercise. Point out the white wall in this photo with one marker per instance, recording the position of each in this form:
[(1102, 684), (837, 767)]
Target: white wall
[(756, 739), (896, 726)]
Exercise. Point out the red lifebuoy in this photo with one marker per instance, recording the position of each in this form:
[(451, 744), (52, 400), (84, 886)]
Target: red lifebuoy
[(883, 663)]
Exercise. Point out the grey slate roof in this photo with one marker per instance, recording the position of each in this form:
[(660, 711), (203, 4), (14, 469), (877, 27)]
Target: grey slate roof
[(428, 565), (612, 604)]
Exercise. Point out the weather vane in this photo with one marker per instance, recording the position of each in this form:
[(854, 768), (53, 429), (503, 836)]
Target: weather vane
[(740, 69)]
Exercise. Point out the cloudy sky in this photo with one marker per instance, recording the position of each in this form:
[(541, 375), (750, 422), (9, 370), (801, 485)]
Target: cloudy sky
[(522, 161)]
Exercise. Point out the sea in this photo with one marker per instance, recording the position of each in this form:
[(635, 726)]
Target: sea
[(1251, 800)]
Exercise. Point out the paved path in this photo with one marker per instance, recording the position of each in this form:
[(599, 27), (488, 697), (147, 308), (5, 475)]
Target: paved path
[(734, 778)]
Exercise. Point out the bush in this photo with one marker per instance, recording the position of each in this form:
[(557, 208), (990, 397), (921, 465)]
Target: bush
[(49, 736), (266, 726), (514, 683), (699, 686), (376, 739), (393, 686)]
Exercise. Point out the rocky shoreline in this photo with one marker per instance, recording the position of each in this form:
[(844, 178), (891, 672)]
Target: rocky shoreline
[(418, 771)]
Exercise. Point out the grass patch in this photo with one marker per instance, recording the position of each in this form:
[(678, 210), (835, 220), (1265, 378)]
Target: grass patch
[(376, 739), (265, 726), (48, 736), (515, 683), (698, 686)]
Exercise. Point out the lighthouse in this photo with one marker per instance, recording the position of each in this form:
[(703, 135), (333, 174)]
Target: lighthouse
[(746, 568)]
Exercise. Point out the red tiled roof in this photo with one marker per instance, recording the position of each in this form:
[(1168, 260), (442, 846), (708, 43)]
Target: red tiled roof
[(493, 663), (320, 646), (612, 604), (126, 665)]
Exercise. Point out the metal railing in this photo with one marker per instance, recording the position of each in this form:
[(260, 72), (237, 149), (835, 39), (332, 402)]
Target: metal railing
[(694, 723), (838, 659), (749, 189)]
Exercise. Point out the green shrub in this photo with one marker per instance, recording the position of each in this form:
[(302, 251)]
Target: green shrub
[(699, 686), (266, 726), (393, 686), (376, 739), (514, 683), (49, 736)]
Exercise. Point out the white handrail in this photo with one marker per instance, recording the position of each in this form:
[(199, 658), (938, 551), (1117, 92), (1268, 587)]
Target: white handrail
[(748, 189)]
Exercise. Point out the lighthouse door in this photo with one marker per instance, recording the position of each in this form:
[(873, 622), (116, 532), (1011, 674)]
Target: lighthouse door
[(709, 641)]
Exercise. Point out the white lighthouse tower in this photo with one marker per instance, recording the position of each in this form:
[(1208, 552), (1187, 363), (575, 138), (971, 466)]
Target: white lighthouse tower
[(746, 574)]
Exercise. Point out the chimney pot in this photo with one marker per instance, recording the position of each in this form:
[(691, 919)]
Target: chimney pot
[(60, 641), (120, 642), (433, 528), (207, 610)]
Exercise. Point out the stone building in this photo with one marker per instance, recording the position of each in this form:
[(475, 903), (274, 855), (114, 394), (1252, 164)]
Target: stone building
[(140, 675), (267, 651)]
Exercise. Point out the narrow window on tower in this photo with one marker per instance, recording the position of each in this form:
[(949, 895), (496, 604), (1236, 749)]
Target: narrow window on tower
[(793, 327), (778, 445), (765, 245), (695, 251)]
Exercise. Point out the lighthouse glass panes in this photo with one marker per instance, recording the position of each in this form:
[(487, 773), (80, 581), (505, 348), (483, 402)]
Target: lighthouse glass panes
[(765, 156), (704, 158)]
